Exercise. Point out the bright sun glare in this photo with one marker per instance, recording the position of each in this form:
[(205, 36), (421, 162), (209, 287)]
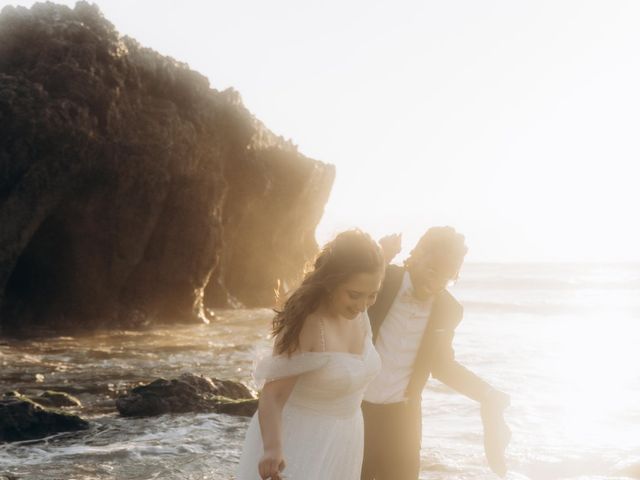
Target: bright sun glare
[(596, 369)]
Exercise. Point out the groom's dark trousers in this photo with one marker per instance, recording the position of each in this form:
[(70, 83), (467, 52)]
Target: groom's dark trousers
[(392, 440), (392, 432)]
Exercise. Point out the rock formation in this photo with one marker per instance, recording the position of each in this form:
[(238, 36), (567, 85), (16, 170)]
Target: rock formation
[(132, 192), (22, 419), (188, 393), (48, 399)]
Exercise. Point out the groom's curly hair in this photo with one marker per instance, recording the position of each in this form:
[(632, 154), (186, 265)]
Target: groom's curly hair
[(444, 244), (350, 253)]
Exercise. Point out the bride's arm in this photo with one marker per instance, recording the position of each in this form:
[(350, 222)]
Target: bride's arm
[(272, 399)]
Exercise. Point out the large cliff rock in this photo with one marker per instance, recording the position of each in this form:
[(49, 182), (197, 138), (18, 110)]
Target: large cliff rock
[(130, 190)]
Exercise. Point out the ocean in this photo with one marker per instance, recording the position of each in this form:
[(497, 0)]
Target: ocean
[(562, 339)]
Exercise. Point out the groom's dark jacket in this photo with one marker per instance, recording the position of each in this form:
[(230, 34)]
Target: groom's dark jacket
[(435, 355)]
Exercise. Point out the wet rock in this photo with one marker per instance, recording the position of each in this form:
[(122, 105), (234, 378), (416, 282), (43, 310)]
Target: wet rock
[(49, 398), (216, 386), (56, 399), (22, 419), (241, 408), (131, 192), (188, 393)]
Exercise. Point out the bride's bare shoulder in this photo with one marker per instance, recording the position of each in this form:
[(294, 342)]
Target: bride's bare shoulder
[(311, 334)]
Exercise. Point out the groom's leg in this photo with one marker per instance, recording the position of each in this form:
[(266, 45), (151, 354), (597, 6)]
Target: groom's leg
[(392, 441), (404, 434), (370, 442)]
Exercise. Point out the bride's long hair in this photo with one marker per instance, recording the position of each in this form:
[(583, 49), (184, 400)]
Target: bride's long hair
[(350, 253)]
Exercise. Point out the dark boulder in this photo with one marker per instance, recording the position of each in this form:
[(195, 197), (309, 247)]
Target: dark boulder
[(242, 408), (217, 387), (48, 398), (188, 393), (22, 419), (56, 399), (131, 192)]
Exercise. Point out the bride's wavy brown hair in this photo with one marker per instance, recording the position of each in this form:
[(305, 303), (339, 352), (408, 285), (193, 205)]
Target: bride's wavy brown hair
[(350, 253)]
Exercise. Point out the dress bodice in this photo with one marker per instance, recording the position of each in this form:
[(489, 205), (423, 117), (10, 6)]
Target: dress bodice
[(329, 383)]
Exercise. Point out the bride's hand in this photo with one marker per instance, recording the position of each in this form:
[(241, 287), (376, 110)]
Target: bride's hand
[(271, 465)]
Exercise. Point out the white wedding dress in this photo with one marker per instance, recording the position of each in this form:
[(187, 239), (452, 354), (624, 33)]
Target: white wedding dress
[(322, 429)]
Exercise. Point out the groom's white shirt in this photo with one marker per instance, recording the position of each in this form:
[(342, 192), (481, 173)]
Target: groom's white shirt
[(397, 344)]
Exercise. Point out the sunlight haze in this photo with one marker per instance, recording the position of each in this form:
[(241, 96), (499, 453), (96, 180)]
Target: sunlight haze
[(515, 122)]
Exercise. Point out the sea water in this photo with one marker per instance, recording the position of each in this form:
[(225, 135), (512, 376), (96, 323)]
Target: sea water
[(561, 339)]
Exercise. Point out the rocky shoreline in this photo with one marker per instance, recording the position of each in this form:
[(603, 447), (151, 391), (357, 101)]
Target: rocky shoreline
[(29, 417)]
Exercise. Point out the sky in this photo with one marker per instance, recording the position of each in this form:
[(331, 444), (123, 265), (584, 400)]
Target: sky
[(517, 122)]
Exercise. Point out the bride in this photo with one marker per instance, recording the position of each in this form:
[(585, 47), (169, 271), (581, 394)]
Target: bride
[(309, 425)]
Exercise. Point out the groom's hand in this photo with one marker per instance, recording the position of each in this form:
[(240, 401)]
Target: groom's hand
[(391, 246)]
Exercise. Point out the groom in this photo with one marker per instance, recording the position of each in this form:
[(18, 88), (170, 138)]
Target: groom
[(413, 323)]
